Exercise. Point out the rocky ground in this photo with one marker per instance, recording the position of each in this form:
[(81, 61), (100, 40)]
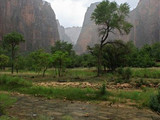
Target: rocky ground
[(29, 108), (91, 85)]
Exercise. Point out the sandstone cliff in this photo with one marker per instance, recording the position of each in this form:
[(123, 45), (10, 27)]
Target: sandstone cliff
[(35, 19), (89, 32), (145, 19)]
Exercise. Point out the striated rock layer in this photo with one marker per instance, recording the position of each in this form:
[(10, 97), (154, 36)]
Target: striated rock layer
[(35, 19), (145, 19)]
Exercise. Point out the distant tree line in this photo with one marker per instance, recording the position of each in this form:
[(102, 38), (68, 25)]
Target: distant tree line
[(62, 56)]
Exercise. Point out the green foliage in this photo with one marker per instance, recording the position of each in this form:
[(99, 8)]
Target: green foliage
[(155, 102), (67, 118), (112, 16), (141, 82), (14, 81), (66, 48), (142, 98), (7, 118), (13, 39), (20, 63), (146, 72), (62, 46), (5, 102), (60, 61), (155, 51), (39, 61), (103, 89), (140, 57), (125, 74), (115, 55), (87, 60), (4, 60), (11, 42)]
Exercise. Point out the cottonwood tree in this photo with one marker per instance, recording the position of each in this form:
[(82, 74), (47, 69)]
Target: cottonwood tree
[(115, 55), (39, 61), (110, 17), (65, 47), (60, 60), (11, 42)]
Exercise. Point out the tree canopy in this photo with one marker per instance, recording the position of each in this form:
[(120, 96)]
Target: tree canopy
[(110, 17), (11, 42)]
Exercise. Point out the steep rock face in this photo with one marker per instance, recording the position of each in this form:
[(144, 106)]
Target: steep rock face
[(35, 19), (145, 19), (89, 32), (73, 33), (63, 36)]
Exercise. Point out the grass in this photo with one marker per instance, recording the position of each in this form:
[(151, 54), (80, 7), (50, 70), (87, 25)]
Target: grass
[(22, 83), (140, 97), (67, 117), (14, 81), (5, 102), (7, 118), (146, 72)]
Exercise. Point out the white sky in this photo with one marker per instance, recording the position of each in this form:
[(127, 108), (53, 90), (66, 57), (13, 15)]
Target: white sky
[(71, 12)]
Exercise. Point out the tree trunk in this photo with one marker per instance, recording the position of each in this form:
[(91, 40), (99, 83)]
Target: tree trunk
[(17, 71), (59, 72), (44, 72), (105, 68), (99, 62), (12, 60)]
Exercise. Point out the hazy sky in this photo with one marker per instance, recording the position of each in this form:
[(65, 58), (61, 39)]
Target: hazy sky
[(71, 12)]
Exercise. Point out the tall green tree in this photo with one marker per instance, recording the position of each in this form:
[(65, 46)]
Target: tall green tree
[(60, 61), (65, 47), (39, 61), (11, 42), (110, 17), (62, 46), (115, 55), (20, 63)]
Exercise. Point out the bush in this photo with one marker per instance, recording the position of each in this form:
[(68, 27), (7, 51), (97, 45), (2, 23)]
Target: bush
[(155, 102), (125, 74), (14, 81), (103, 89)]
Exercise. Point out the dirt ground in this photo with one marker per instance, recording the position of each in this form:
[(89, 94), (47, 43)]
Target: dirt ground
[(30, 108)]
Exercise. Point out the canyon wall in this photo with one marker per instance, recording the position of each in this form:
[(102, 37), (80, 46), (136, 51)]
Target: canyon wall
[(35, 19)]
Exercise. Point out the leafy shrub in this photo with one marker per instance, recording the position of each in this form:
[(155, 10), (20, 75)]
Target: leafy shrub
[(125, 74), (120, 70), (141, 82), (103, 89), (14, 81), (155, 102)]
